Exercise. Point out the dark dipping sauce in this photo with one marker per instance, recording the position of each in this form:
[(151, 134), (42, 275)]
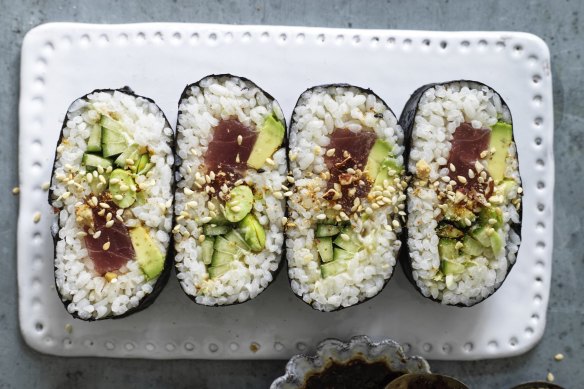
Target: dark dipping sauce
[(356, 373), (225, 156), (121, 249), (351, 152), (467, 145)]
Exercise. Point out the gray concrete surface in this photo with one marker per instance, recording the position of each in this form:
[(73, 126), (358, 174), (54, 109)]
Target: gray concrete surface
[(559, 22)]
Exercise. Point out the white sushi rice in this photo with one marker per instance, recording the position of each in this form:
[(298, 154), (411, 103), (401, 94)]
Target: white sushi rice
[(87, 293), (318, 113), (440, 111), (213, 99)]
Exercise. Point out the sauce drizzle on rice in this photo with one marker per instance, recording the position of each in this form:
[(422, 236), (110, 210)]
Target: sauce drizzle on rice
[(228, 152), (346, 166)]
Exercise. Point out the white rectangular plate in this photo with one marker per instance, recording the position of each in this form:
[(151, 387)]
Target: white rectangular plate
[(61, 62)]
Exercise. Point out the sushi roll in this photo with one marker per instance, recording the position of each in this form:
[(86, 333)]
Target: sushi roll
[(231, 180), (111, 190), (347, 206), (464, 201)]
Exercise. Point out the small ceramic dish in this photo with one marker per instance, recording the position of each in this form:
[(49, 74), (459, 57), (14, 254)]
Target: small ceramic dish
[(360, 358)]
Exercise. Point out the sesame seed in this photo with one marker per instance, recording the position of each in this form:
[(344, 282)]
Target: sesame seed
[(330, 152), (45, 186), (81, 234), (124, 188), (108, 217), (236, 208), (102, 179), (212, 175), (321, 216), (559, 357), (133, 188), (492, 222), (118, 197), (290, 179), (36, 217), (484, 154), (104, 205), (129, 161), (175, 229), (345, 237), (119, 218), (270, 161), (452, 167), (520, 190), (210, 205), (97, 235), (181, 217), (101, 212), (237, 158), (109, 224), (288, 194), (109, 276), (201, 238), (550, 377), (89, 177), (344, 216), (15, 190), (95, 173), (278, 195), (293, 156), (187, 191), (445, 179), (479, 166), (395, 223), (471, 174), (493, 150), (284, 220), (317, 149), (106, 245), (337, 207), (239, 139), (207, 219), (467, 221), (109, 169), (100, 169), (114, 180), (462, 179)]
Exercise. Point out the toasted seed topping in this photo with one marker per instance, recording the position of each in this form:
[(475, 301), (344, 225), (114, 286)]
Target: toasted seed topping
[(15, 190), (520, 190), (345, 237), (237, 158), (106, 245), (395, 223), (471, 174), (550, 377), (452, 167), (239, 139), (284, 220), (36, 217), (559, 357), (278, 195), (108, 217), (201, 238), (97, 235), (124, 188), (109, 224), (104, 205), (321, 216), (100, 169), (207, 219), (101, 212), (81, 234), (187, 191), (109, 276), (330, 152), (484, 154)]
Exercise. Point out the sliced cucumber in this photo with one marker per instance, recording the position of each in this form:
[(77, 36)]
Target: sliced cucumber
[(220, 258), (448, 231), (132, 152), (447, 248), (325, 248), (481, 233), (324, 230), (225, 246), (207, 250), (92, 161), (341, 255), (352, 244), (449, 267), (332, 268), (253, 233), (239, 203), (112, 142), (214, 229), (218, 271), (471, 246), (236, 238), (122, 185), (94, 141)]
